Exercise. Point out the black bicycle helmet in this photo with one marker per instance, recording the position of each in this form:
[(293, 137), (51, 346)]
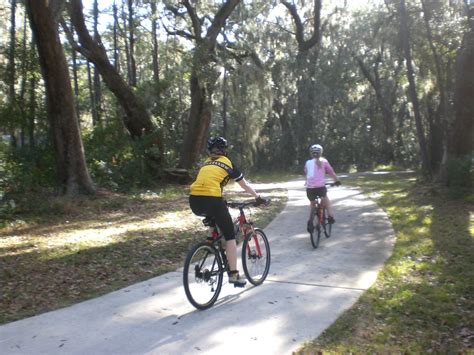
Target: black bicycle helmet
[(219, 143)]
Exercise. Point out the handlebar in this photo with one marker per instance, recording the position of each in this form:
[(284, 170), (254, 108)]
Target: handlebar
[(243, 204), (331, 184)]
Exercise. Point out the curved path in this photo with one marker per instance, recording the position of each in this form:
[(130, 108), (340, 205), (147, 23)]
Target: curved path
[(306, 290)]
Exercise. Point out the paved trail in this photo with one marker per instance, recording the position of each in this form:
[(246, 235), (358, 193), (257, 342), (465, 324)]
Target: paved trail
[(306, 290)]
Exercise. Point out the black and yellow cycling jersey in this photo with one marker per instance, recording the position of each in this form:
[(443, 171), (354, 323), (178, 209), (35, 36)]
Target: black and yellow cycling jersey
[(213, 176)]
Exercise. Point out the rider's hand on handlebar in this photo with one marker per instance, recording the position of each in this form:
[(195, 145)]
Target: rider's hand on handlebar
[(261, 201), (337, 183)]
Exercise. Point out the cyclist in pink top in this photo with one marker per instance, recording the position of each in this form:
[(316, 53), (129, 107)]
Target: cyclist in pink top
[(315, 170)]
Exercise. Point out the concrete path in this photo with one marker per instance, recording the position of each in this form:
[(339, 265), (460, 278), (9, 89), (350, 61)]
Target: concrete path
[(306, 290)]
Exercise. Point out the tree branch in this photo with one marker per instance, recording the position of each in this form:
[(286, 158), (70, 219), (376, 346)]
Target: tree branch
[(196, 23), (219, 19), (181, 33), (297, 19), (71, 39), (316, 36)]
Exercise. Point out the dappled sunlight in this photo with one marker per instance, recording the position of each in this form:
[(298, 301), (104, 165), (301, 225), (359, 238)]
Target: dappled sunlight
[(100, 234), (471, 224), (367, 278)]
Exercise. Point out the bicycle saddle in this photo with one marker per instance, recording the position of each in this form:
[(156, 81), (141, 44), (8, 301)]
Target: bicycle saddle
[(209, 222)]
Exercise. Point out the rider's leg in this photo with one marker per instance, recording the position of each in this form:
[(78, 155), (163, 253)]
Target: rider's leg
[(328, 206), (224, 221), (231, 253), (312, 205), (310, 225)]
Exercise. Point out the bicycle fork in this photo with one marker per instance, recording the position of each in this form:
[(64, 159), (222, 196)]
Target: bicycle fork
[(255, 251)]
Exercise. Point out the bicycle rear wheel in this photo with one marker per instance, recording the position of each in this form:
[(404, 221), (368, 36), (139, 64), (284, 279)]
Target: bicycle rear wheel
[(316, 233), (315, 236), (256, 257), (326, 226), (202, 275)]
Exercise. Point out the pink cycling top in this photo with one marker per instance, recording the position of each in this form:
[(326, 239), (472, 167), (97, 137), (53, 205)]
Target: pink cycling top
[(315, 175)]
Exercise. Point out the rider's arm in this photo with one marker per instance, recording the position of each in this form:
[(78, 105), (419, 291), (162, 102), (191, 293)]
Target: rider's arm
[(243, 184), (331, 172)]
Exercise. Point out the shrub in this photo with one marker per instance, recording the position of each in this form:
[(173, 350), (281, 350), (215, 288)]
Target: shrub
[(460, 174)]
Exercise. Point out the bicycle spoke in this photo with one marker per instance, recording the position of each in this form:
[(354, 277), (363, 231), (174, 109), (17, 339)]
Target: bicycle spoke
[(202, 277), (256, 257), (327, 225)]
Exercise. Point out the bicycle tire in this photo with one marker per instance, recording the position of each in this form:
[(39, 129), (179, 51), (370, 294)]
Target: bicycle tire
[(256, 257), (203, 275), (316, 234), (326, 226)]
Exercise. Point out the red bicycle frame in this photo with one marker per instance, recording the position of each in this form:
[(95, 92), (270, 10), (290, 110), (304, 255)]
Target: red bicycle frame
[(245, 228)]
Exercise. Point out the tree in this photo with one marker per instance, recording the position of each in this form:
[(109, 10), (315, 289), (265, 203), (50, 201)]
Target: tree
[(405, 38), (380, 63), (462, 137), (12, 70), (71, 164), (137, 120), (306, 68), (203, 76)]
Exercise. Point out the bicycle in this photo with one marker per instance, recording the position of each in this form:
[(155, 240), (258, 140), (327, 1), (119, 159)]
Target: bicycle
[(206, 261), (322, 223)]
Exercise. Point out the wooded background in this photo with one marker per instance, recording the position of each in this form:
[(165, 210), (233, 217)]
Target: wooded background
[(119, 96)]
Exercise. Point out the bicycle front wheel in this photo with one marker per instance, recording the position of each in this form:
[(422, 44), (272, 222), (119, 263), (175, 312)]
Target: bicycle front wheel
[(202, 275), (326, 226), (256, 257)]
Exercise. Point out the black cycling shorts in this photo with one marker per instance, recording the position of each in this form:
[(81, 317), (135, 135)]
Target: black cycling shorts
[(210, 206), (314, 192)]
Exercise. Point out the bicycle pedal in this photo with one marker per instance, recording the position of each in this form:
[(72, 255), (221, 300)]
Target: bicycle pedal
[(239, 285)]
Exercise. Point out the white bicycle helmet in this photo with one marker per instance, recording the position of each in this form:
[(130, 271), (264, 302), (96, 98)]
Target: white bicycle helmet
[(316, 148)]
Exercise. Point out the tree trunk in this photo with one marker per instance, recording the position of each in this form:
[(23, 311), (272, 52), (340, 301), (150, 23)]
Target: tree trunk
[(137, 119), (32, 112), (404, 32), (24, 79), (116, 49), (202, 82), (131, 42), (439, 137), (11, 72), (385, 108), (74, 75), (71, 164), (154, 40), (462, 136), (224, 102), (93, 104), (97, 89), (305, 76), (287, 149), (198, 121)]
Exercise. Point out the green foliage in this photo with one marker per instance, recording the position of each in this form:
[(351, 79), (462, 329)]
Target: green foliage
[(26, 168), (460, 172), (23, 170), (115, 160)]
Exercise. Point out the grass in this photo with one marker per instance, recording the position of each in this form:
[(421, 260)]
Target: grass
[(57, 251), (423, 299)]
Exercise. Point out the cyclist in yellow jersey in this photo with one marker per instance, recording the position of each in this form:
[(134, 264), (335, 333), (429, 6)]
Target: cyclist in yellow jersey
[(206, 197)]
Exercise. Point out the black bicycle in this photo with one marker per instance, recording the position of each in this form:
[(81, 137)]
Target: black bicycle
[(320, 223), (206, 262)]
